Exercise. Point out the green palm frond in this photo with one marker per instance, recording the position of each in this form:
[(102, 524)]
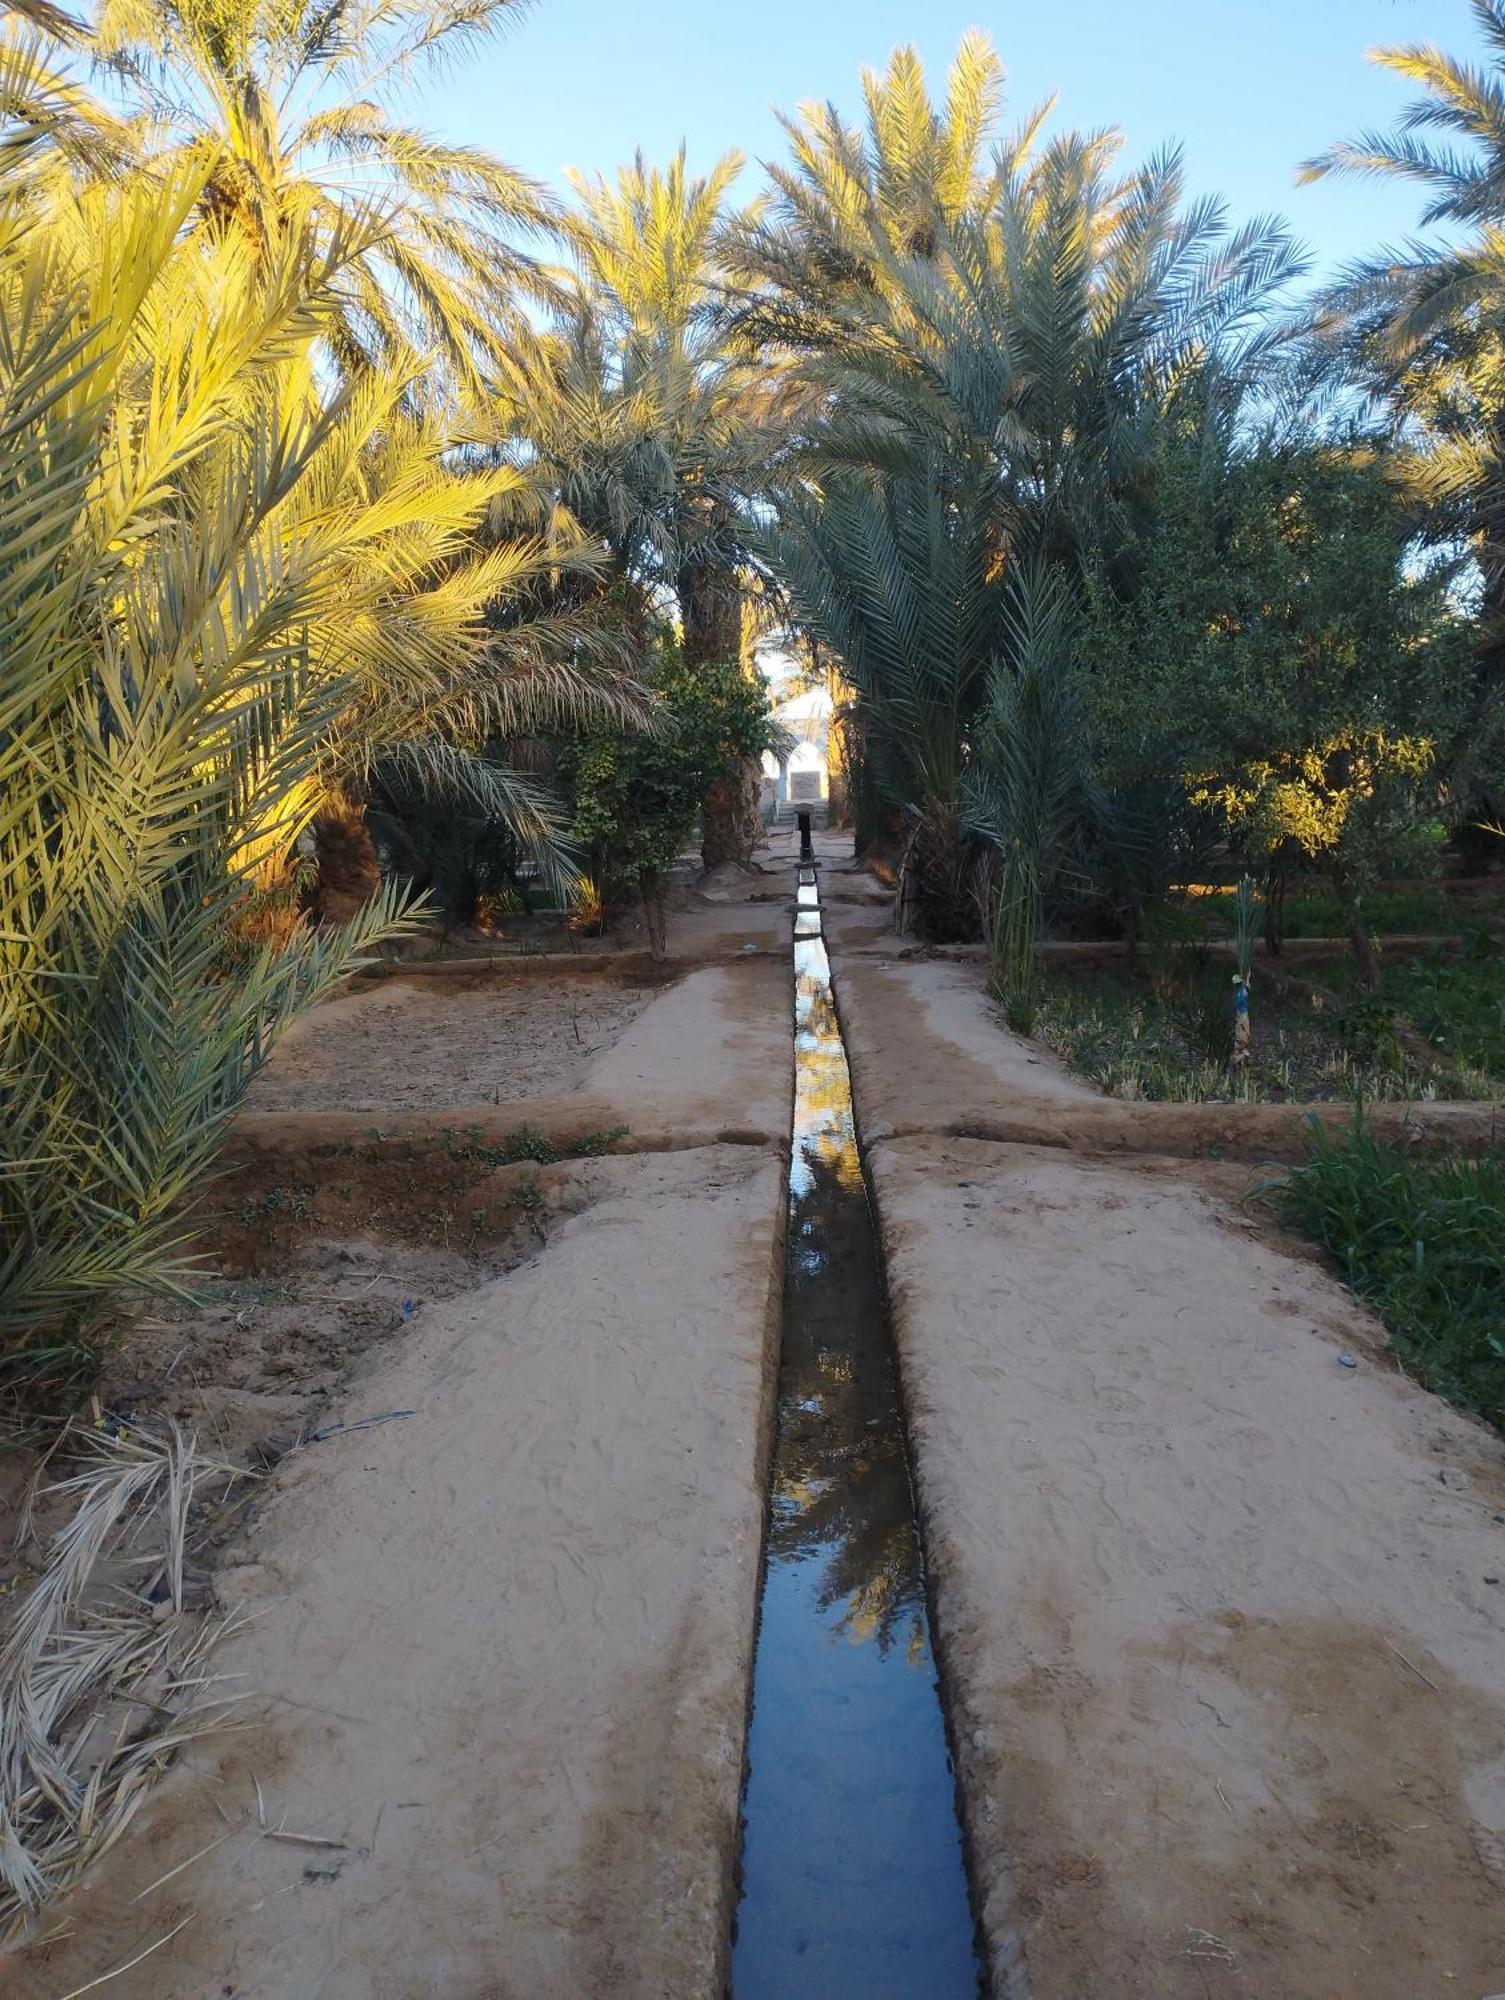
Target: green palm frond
[(162, 715), (1420, 328), (480, 788), (1029, 791), (641, 412), (248, 91), (985, 348)]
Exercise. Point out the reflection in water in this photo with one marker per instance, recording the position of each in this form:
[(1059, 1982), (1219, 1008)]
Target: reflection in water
[(852, 1875)]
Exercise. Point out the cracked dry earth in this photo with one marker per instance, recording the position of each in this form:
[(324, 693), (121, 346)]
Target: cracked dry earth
[(1222, 1621)]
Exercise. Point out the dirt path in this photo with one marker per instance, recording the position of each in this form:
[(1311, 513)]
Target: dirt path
[(409, 1043), (499, 1650), (1223, 1618), (427, 1044)]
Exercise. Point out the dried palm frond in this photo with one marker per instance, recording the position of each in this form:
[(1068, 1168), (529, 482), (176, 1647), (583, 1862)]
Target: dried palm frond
[(103, 1674)]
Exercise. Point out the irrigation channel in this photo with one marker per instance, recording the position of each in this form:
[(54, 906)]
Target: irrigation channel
[(853, 1878)]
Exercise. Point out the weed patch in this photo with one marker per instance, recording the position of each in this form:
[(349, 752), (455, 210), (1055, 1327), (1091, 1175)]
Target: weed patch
[(1424, 1240), (1171, 1045), (527, 1143), (265, 1213), (1459, 1003)]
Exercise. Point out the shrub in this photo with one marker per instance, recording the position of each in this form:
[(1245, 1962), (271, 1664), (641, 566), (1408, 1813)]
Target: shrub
[(637, 793)]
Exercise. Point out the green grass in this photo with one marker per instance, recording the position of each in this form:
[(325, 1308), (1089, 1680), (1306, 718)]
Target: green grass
[(1424, 1240), (1457, 1004), (1396, 913), (1113, 1028)]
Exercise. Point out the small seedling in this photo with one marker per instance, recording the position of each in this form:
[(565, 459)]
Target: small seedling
[(262, 1213), (531, 1199), (528, 1144)]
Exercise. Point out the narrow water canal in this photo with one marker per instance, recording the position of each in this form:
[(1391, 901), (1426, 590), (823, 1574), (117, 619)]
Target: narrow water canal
[(853, 1882)]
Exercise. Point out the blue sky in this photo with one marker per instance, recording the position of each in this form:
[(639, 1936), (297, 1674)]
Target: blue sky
[(1249, 86)]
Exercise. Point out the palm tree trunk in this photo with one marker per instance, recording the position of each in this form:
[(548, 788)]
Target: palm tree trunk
[(710, 608), (655, 914), (935, 865), (730, 822), (348, 872)]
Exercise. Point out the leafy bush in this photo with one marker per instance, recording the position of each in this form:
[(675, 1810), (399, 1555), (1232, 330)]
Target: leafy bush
[(1304, 672), (1424, 1239), (637, 793)]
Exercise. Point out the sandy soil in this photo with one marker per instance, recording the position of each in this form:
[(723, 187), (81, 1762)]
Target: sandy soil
[(1220, 1615), (308, 1273), (1222, 1618), (712, 928), (710, 917), (421, 1042), (959, 1063), (717, 1041), (707, 1058), (499, 1650)]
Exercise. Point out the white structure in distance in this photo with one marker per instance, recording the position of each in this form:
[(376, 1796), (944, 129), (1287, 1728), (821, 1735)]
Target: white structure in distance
[(801, 777)]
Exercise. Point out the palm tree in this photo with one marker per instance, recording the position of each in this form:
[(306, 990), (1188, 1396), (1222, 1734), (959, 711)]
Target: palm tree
[(233, 588), (1029, 792), (1036, 347), (453, 640), (599, 444), (287, 106), (898, 581), (160, 720), (276, 112), (989, 388), (1423, 329), (652, 365), (853, 204), (647, 251)]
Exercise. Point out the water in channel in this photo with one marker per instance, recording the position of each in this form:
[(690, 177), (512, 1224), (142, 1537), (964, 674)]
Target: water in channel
[(853, 1882)]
